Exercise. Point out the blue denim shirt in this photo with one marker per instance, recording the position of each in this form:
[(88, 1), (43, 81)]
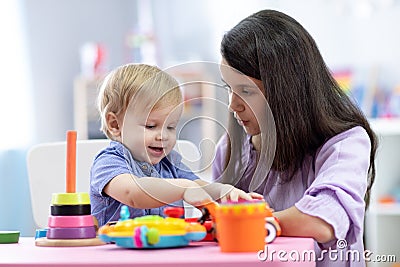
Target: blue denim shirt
[(115, 160)]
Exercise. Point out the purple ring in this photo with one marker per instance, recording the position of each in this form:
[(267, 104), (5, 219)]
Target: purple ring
[(71, 233)]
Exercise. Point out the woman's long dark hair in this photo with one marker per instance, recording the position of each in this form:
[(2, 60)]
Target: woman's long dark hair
[(306, 102)]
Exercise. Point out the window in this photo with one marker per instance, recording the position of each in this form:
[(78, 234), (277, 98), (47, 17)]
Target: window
[(15, 98)]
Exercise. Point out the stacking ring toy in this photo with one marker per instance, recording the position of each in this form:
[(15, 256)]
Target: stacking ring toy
[(68, 210), (81, 198), (70, 221), (71, 233)]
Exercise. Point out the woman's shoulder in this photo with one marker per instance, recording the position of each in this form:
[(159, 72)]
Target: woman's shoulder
[(224, 141), (355, 139), (355, 133)]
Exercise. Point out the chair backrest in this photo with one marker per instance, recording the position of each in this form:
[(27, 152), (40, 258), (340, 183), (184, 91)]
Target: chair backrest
[(46, 170)]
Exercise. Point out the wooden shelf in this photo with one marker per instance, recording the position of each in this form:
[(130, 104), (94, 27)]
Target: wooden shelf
[(385, 209), (382, 219), (386, 126)]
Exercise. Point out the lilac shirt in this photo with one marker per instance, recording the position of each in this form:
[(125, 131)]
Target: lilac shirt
[(115, 160), (330, 186)]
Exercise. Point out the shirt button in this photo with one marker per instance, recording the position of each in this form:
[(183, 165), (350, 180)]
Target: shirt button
[(144, 167)]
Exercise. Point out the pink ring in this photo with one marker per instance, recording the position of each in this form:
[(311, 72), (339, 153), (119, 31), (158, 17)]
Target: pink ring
[(70, 221)]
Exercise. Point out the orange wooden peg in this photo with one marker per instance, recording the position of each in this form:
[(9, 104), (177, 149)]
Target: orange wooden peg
[(71, 162)]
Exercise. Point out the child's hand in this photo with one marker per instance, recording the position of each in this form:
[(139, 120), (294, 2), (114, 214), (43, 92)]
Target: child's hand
[(196, 196)]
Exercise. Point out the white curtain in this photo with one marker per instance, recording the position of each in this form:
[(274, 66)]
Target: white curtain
[(15, 98)]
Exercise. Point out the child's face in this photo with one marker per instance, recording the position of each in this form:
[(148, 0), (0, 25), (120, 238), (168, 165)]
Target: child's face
[(246, 100), (151, 136)]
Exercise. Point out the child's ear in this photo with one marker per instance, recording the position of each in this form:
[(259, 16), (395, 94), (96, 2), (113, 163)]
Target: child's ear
[(113, 124)]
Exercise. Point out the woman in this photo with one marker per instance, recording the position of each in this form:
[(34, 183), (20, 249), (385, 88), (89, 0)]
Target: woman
[(294, 136)]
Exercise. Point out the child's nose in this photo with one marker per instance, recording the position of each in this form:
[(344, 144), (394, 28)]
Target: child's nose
[(162, 135)]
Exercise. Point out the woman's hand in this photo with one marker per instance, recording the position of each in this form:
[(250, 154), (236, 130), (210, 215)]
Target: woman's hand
[(197, 196), (257, 196), (226, 192), (230, 193)]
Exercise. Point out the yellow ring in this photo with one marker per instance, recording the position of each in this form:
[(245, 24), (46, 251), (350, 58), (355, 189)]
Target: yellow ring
[(70, 198)]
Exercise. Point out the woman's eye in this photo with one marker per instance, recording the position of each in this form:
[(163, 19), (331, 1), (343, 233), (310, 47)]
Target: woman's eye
[(171, 127), (150, 126), (226, 86), (246, 92)]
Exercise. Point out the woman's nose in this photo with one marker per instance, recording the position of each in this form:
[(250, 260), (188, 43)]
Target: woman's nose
[(235, 103)]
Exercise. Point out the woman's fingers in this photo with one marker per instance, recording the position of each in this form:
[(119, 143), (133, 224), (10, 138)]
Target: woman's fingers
[(255, 195)]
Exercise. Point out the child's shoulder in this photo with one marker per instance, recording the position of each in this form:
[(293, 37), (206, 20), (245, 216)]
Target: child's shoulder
[(174, 157), (114, 148)]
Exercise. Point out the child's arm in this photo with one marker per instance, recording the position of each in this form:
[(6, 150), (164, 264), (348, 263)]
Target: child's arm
[(150, 192), (314, 227), (224, 192)]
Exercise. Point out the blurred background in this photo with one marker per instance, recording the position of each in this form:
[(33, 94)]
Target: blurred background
[(54, 53)]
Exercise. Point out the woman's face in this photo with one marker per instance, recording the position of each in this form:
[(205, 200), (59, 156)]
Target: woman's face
[(246, 100)]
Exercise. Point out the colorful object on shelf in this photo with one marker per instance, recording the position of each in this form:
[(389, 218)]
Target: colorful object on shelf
[(392, 197), (387, 199), (151, 231), (343, 78), (70, 222), (242, 226), (8, 237)]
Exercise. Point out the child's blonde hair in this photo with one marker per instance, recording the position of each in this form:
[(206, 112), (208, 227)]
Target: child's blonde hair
[(140, 85)]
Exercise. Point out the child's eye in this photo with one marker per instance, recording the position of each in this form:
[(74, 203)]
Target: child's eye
[(150, 126), (171, 127)]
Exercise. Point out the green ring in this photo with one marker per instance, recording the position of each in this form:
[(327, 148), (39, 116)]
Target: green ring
[(70, 198), (7, 237)]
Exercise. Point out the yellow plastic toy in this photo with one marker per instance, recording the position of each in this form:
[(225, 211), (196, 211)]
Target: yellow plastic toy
[(151, 231)]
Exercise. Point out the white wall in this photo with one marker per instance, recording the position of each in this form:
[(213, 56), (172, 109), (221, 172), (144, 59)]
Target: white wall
[(346, 31), (190, 30), (56, 30)]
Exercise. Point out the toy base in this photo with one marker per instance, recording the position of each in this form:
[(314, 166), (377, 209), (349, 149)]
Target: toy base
[(44, 242)]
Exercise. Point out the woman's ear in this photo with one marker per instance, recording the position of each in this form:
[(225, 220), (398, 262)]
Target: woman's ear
[(114, 125)]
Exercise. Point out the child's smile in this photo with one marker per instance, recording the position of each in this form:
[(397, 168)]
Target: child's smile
[(156, 151)]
